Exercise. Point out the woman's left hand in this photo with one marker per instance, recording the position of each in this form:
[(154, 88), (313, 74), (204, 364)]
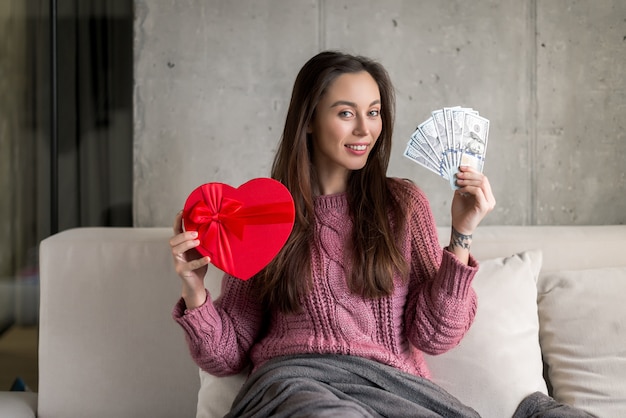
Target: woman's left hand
[(472, 201)]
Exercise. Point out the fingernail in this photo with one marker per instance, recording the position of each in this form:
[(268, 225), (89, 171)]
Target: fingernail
[(194, 234)]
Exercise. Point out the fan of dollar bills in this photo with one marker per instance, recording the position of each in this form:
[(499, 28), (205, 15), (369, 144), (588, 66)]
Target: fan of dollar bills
[(449, 138)]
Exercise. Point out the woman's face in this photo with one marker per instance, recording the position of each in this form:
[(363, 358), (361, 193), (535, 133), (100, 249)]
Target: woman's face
[(346, 125)]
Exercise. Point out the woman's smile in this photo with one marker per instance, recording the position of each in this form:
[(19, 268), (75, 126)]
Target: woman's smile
[(357, 149)]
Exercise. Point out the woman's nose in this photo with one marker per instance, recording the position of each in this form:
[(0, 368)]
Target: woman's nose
[(361, 128)]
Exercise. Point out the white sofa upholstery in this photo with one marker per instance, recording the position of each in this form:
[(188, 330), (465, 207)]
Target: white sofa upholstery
[(109, 348)]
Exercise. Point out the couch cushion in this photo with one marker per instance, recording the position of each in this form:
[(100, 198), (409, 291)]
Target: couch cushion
[(216, 394), (498, 362), (18, 404), (583, 324)]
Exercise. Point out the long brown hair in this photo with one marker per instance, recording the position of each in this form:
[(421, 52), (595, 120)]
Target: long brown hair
[(375, 254)]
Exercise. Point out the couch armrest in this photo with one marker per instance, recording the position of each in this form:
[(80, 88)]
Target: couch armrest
[(108, 346)]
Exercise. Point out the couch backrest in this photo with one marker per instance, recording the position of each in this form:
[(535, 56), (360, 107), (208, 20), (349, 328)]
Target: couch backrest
[(563, 247)]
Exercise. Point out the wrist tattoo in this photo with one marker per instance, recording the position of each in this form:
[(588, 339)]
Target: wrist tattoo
[(460, 240)]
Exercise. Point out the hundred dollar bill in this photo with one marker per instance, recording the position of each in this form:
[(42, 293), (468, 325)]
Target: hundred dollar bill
[(430, 133), (440, 126), (447, 115), (456, 124), (474, 142), (419, 142), (415, 155), (458, 118)]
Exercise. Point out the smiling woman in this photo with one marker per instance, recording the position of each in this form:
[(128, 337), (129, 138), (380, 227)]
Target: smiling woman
[(361, 285)]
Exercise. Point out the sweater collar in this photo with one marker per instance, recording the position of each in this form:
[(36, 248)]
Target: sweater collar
[(331, 201)]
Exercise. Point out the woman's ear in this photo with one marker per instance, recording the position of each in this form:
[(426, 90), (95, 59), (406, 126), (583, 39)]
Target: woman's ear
[(309, 128)]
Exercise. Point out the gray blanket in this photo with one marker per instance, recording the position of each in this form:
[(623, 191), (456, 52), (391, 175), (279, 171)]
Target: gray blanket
[(347, 386), (538, 405), (341, 386)]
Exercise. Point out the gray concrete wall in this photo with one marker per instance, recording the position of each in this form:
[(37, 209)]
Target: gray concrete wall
[(213, 79)]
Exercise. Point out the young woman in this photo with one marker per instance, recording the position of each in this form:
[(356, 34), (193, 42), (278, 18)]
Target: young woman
[(336, 325)]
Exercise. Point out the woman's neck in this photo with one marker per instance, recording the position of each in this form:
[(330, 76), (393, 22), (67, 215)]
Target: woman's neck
[(332, 182)]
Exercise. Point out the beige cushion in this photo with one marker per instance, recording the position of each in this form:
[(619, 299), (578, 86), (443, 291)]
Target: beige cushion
[(18, 404), (216, 394), (583, 319), (498, 362)]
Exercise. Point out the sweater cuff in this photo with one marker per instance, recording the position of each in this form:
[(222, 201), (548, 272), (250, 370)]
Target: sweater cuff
[(180, 309), (197, 322), (456, 277)]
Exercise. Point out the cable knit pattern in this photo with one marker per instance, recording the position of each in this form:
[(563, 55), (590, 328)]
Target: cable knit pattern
[(430, 312)]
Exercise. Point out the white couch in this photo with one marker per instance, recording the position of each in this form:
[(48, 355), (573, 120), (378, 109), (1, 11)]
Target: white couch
[(109, 348)]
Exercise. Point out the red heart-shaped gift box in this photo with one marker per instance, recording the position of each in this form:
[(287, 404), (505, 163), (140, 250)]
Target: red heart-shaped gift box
[(240, 229)]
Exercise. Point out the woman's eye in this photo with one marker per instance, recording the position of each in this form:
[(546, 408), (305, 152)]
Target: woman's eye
[(345, 114), (374, 113)]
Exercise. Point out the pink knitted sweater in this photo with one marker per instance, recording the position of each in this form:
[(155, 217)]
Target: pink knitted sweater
[(428, 313)]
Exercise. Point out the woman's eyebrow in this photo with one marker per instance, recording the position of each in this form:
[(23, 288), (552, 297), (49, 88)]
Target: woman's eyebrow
[(352, 104)]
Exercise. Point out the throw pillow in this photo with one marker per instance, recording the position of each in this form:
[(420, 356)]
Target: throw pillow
[(216, 394), (498, 362), (583, 335)]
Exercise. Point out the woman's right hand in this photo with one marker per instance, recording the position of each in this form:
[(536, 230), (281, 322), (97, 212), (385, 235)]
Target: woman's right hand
[(189, 264)]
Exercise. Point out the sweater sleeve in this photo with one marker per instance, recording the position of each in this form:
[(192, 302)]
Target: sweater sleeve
[(441, 303), (220, 333)]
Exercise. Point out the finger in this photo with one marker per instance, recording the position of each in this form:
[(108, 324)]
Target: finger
[(466, 172), (199, 263), (178, 239), (466, 182), (478, 179), (467, 176), (483, 197), (180, 251), (475, 180), (488, 193), (186, 270), (472, 177), (468, 169), (472, 192)]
